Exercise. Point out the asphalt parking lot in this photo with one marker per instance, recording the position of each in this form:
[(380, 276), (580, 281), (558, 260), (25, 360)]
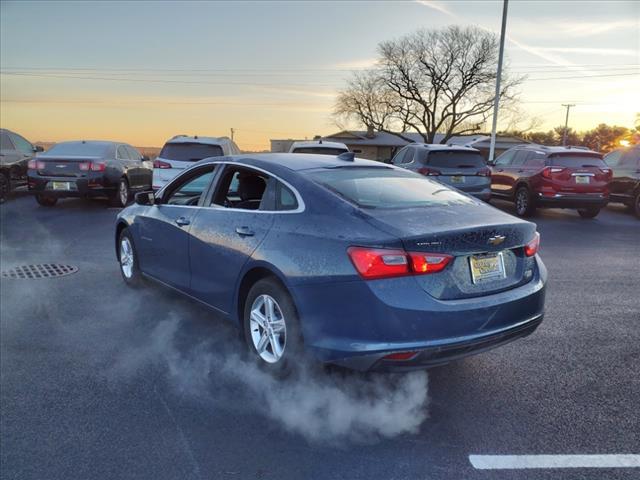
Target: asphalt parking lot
[(100, 381)]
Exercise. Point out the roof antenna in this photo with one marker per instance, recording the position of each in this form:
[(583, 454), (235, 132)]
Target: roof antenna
[(347, 156)]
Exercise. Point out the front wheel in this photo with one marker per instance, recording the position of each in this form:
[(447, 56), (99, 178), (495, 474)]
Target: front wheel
[(589, 212), (128, 259), (524, 202), (122, 195), (46, 201), (271, 326)]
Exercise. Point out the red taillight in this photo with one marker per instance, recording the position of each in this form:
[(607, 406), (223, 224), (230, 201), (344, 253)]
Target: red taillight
[(161, 164), (531, 248), (373, 263), (428, 171), (608, 172), (84, 166), (36, 165), (422, 263), (400, 356), (98, 166), (485, 172), (548, 171)]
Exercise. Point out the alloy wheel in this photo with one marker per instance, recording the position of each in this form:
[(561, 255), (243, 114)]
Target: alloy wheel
[(522, 201), (268, 328), (126, 257), (124, 193)]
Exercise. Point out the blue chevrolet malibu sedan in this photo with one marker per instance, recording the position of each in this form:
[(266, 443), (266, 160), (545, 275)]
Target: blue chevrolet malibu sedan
[(354, 262)]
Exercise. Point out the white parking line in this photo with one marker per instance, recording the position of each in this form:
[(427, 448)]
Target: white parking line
[(503, 462)]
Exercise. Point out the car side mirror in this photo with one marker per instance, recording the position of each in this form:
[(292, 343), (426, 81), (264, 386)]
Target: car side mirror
[(38, 148), (145, 198), (491, 163)]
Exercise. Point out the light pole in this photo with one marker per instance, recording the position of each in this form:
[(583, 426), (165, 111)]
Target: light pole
[(496, 100), (566, 122)]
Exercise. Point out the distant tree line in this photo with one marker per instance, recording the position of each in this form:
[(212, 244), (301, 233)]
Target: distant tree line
[(603, 138)]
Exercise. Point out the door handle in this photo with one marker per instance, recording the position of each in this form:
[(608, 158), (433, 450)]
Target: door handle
[(182, 221), (520, 171), (244, 231), (500, 170)]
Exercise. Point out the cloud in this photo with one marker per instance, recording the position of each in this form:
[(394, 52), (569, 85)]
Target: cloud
[(436, 5), (619, 52), (355, 64), (587, 29)]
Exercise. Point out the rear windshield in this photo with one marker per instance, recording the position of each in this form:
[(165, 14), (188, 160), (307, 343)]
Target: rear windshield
[(79, 149), (386, 188), (320, 150), (190, 152), (576, 160), (454, 159)]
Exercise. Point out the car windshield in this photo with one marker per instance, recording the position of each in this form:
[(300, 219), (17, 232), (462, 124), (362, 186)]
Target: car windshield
[(190, 152), (379, 187), (320, 150), (576, 160), (453, 159), (79, 148)]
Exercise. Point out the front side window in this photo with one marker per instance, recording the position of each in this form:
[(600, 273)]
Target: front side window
[(5, 143), (123, 154), (190, 190), (506, 158), (399, 156), (190, 152), (376, 187), (241, 188), (133, 153), (22, 144), (631, 158), (408, 157), (613, 159)]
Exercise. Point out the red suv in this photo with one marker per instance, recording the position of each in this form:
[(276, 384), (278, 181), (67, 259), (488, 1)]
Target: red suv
[(535, 176)]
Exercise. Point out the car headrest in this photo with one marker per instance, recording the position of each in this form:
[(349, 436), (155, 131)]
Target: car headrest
[(251, 187)]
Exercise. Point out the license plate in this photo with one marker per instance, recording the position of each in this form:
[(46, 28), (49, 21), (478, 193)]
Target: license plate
[(457, 179), (582, 179), (61, 186), (487, 267)]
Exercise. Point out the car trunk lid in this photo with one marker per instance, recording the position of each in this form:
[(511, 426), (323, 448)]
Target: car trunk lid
[(577, 173), (65, 166)]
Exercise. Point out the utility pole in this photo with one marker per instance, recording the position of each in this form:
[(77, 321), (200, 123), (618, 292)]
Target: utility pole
[(496, 100), (566, 122), (232, 132)]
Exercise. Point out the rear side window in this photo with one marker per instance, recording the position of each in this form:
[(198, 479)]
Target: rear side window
[(190, 152), (79, 149), (631, 158), (386, 188), (133, 153), (576, 160), (453, 159), (123, 153), (320, 150), (5, 142), (285, 199), (506, 158)]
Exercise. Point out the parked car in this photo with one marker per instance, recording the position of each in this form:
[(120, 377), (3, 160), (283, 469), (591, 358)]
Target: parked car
[(625, 184), (536, 176), (89, 169), (318, 146), (359, 263), (461, 167), (15, 153), (182, 151)]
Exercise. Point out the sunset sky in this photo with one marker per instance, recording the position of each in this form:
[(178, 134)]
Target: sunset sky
[(141, 72)]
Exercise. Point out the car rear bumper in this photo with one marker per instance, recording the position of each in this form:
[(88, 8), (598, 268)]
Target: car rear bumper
[(572, 201), (92, 185), (357, 324)]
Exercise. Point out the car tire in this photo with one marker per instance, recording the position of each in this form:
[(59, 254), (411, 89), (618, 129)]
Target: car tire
[(5, 186), (45, 200), (588, 212), (273, 334), (122, 196), (128, 260), (524, 202)]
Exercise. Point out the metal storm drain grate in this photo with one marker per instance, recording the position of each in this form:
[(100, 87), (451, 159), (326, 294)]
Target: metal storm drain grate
[(40, 270)]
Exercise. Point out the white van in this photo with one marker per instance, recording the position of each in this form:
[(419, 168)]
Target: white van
[(182, 151)]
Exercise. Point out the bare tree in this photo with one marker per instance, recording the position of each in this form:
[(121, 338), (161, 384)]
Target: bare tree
[(430, 81)]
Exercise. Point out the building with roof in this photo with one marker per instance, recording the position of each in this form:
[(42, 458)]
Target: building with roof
[(382, 146)]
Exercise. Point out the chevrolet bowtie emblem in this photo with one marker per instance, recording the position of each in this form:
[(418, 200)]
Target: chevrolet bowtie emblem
[(496, 240)]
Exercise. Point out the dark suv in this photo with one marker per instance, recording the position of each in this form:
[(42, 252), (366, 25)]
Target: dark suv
[(535, 176), (463, 168), (625, 185)]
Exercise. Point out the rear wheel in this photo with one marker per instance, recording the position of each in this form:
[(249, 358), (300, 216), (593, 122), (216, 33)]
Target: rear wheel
[(5, 186), (46, 201), (524, 202), (588, 212), (122, 195), (128, 258), (271, 326)]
